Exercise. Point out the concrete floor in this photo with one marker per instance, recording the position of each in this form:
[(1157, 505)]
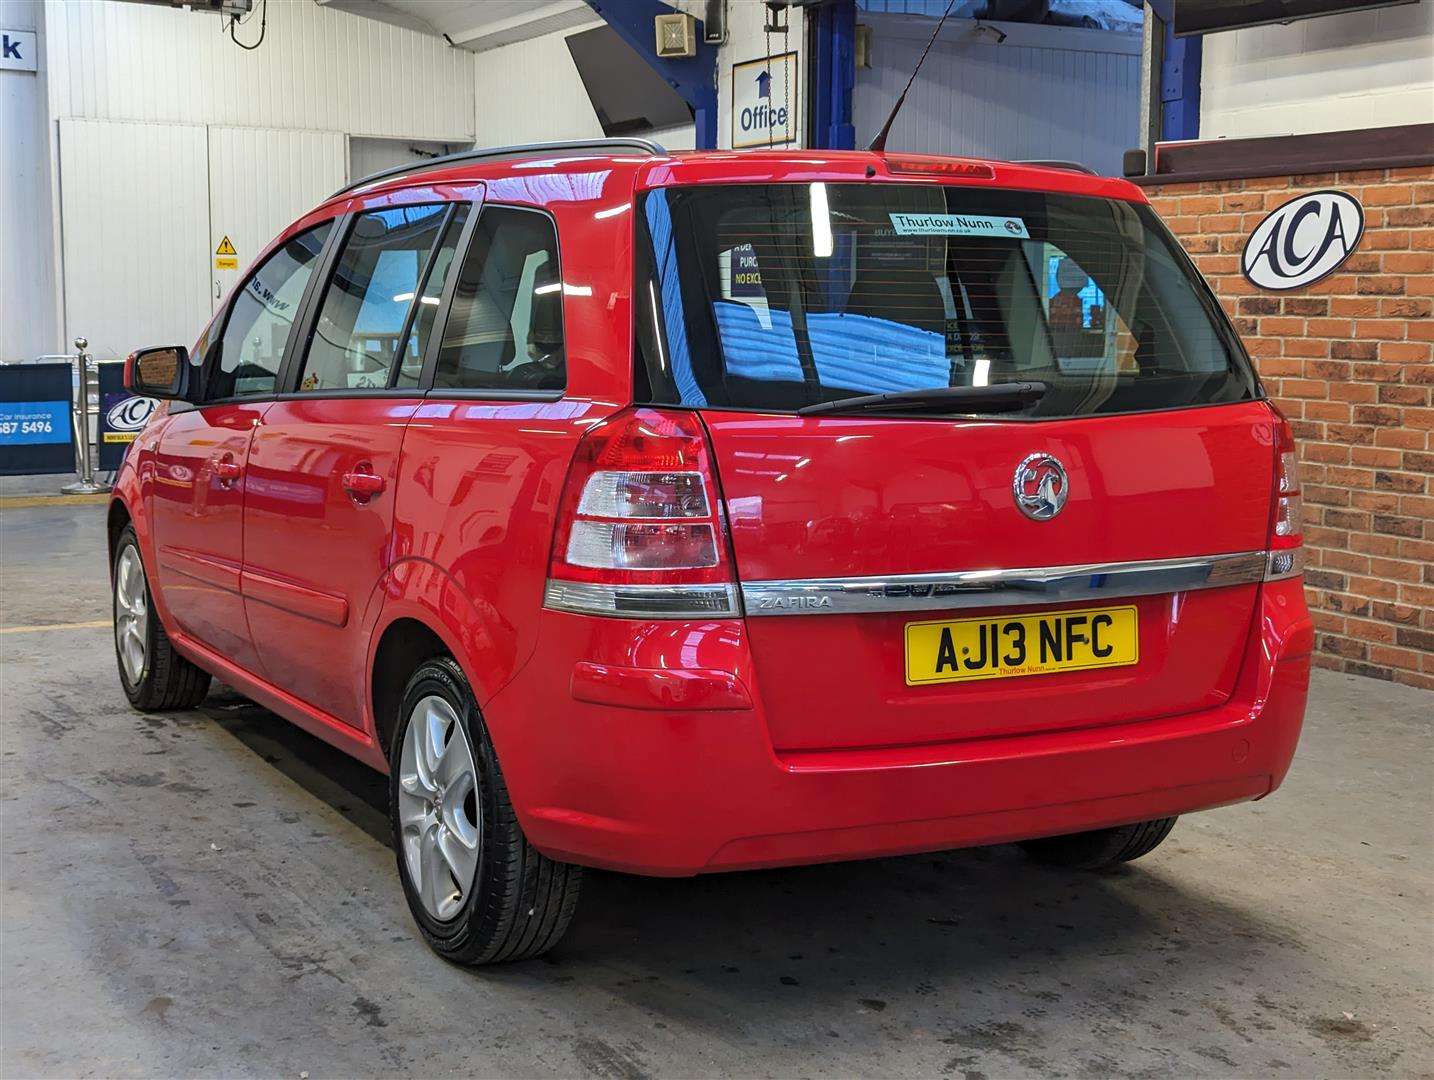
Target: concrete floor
[(211, 893)]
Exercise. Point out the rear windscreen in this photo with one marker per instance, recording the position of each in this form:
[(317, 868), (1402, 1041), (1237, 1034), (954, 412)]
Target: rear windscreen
[(778, 296)]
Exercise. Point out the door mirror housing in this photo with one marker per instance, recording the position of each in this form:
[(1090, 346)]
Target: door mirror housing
[(158, 373)]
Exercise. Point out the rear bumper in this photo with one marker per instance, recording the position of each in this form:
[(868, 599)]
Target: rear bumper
[(616, 759)]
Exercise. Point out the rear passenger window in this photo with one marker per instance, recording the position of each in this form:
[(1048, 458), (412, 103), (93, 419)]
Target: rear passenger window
[(365, 306), (257, 332), (505, 326)]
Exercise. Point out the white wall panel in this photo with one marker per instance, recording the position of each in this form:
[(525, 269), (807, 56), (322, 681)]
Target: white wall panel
[(1045, 92), (29, 320), (318, 68), (530, 91), (1335, 73), (300, 170), (135, 201)]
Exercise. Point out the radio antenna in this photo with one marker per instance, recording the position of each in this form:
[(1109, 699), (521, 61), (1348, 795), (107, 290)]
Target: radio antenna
[(878, 144)]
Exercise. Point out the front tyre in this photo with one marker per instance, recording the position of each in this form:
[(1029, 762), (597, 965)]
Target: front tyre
[(1100, 848), (480, 893), (155, 677)]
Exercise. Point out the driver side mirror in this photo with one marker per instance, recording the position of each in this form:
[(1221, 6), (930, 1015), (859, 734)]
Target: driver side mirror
[(158, 373)]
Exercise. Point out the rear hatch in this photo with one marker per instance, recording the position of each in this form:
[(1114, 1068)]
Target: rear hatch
[(901, 560)]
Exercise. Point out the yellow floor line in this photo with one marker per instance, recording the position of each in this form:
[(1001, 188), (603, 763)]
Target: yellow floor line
[(20, 502), (92, 625)]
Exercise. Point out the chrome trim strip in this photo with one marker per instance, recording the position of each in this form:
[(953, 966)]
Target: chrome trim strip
[(993, 588), (643, 601)]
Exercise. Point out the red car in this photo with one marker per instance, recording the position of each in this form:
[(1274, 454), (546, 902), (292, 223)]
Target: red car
[(675, 513)]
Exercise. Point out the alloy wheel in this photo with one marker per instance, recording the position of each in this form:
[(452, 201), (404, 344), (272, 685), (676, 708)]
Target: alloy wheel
[(439, 825), (131, 614)]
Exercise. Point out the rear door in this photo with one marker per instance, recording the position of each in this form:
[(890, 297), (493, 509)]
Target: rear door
[(322, 473), (914, 576), (200, 459)]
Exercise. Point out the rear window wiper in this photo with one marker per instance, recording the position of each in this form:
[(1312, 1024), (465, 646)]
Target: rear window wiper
[(1000, 397)]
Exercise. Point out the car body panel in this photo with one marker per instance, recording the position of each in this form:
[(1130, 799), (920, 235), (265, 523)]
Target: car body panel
[(313, 552)]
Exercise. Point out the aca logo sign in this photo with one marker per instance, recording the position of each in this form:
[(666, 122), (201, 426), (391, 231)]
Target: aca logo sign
[(131, 414), (1303, 241)]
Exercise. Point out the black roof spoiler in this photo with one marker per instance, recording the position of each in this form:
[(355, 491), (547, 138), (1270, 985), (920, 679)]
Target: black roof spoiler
[(1069, 166)]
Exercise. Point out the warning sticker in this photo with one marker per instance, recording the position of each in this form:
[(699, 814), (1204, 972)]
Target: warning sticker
[(959, 225), (225, 257)]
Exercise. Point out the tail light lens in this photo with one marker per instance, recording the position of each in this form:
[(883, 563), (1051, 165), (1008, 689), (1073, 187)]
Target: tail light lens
[(1286, 558), (640, 531)]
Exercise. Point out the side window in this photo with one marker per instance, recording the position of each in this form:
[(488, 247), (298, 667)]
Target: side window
[(365, 305), (257, 332), (410, 360), (505, 325)]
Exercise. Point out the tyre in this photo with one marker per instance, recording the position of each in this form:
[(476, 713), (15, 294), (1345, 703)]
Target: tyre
[(480, 893), (155, 677), (1100, 847)]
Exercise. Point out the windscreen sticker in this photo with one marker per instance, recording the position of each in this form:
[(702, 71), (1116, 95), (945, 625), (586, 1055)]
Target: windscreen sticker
[(959, 225)]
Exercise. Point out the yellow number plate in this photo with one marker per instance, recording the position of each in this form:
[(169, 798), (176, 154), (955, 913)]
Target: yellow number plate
[(1013, 645)]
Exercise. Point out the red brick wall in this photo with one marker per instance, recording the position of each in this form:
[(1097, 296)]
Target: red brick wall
[(1348, 361)]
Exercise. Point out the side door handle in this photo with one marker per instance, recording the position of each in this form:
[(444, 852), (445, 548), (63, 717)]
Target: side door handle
[(227, 470), (363, 483)]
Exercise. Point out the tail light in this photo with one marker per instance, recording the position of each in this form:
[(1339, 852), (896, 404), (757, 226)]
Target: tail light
[(640, 531), (1286, 558)]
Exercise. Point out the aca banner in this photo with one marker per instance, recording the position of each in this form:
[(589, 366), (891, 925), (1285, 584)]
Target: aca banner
[(35, 431), (122, 416)]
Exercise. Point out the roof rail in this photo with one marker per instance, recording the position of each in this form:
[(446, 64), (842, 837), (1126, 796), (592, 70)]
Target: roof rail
[(1069, 166), (498, 153)]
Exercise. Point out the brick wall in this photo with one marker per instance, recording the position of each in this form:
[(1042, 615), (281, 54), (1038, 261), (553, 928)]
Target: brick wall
[(1348, 361)]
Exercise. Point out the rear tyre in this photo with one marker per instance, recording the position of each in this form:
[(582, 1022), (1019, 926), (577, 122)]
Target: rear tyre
[(155, 677), (1101, 847), (480, 893)]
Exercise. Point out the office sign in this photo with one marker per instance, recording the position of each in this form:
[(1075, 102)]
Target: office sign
[(19, 50), (35, 431), (764, 102), (1303, 241), (122, 416)]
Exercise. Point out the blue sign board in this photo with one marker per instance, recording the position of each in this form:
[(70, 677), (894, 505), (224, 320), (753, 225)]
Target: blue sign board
[(35, 431)]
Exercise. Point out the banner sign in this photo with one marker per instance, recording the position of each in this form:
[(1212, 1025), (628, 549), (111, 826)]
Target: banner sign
[(35, 431), (122, 416)]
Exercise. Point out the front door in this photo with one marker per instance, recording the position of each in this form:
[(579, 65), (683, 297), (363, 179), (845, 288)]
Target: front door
[(196, 512), (318, 517), (202, 454)]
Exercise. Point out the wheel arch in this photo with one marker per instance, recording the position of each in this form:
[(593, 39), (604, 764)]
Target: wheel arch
[(116, 518), (404, 644)]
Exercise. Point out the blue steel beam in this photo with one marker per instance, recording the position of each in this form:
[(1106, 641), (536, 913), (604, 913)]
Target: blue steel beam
[(694, 78), (834, 63), (1179, 77)]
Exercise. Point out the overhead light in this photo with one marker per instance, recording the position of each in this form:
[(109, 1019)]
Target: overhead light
[(403, 297), (821, 222)]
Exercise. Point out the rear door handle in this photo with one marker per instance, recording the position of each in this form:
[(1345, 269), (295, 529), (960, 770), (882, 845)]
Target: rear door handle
[(227, 470), (362, 485)]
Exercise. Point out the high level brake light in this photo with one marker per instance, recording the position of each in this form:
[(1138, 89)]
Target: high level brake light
[(1286, 559), (640, 532)]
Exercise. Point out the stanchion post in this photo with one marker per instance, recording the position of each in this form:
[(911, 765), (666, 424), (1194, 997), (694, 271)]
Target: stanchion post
[(86, 485)]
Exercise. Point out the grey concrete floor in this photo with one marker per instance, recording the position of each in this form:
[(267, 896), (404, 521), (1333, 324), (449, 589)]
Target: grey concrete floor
[(210, 893)]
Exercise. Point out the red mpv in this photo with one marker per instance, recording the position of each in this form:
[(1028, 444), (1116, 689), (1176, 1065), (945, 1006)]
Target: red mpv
[(675, 513)]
